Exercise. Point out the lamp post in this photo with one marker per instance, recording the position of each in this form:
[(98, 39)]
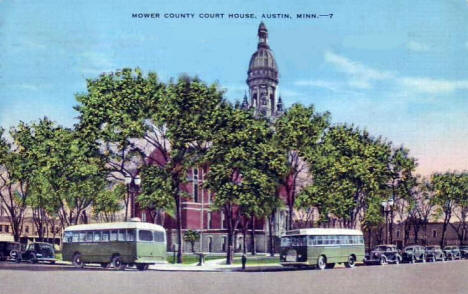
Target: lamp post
[(387, 204), (133, 185)]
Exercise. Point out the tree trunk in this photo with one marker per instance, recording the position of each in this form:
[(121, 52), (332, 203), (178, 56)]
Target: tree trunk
[(270, 232), (253, 250), (179, 228), (229, 253), (244, 235), (444, 228)]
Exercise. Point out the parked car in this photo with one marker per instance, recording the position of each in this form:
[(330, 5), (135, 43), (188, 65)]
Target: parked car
[(35, 252), (434, 253), (413, 254), (464, 251), (383, 254), (6, 248), (452, 252)]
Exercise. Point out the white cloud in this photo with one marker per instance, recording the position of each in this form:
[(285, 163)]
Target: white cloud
[(96, 63), (333, 86), (433, 86), (360, 76), (417, 46)]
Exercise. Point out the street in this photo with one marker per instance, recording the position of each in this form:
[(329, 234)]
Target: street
[(441, 277)]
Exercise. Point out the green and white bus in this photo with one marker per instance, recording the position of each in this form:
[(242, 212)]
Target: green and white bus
[(116, 245), (322, 248)]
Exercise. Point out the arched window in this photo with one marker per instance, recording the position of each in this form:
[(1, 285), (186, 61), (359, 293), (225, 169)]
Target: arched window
[(210, 244)]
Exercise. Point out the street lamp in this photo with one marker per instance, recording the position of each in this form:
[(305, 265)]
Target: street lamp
[(387, 204), (133, 184)]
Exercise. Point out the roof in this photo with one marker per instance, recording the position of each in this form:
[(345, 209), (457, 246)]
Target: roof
[(324, 231), (117, 225)]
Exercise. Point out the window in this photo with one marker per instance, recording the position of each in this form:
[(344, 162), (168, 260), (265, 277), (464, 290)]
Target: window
[(89, 237), (7, 229), (122, 235), (311, 240), (26, 229), (209, 220), (285, 241), (195, 184), (1, 228), (158, 236), (75, 237), (113, 235), (398, 234), (97, 236), (67, 237), (131, 235), (434, 234), (82, 237), (222, 220), (144, 235), (143, 216), (105, 236)]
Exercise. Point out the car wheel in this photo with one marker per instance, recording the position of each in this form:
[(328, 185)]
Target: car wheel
[(351, 262), (383, 260), (117, 263), (77, 262), (321, 262)]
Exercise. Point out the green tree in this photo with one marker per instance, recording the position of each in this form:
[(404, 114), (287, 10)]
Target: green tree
[(108, 202), (449, 188), (244, 168), (349, 169), (297, 133), (191, 237)]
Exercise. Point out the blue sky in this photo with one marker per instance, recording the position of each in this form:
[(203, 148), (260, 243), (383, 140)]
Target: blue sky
[(397, 68)]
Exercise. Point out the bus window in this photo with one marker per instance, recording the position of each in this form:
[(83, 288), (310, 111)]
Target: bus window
[(361, 240), (131, 235), (158, 236), (286, 241), (105, 236), (113, 235), (319, 240), (82, 237), (97, 236), (144, 235), (67, 237), (76, 237), (311, 240), (350, 240), (122, 236), (89, 237)]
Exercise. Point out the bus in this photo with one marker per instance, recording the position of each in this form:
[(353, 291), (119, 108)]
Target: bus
[(322, 248), (115, 245)]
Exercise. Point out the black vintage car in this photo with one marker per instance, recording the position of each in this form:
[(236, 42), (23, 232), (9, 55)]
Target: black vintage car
[(413, 254), (452, 252), (434, 253), (35, 252), (6, 248), (464, 251), (383, 254)]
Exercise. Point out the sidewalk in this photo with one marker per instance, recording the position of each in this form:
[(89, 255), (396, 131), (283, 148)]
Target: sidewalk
[(217, 265)]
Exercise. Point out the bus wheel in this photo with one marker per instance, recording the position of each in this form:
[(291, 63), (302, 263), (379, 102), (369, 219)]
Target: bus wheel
[(351, 262), (142, 266), (117, 263), (77, 262), (321, 262)]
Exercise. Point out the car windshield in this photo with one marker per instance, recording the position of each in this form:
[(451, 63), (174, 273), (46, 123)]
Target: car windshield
[(383, 248), (409, 249)]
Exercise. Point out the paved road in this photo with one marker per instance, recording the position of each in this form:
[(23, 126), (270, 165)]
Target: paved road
[(448, 277)]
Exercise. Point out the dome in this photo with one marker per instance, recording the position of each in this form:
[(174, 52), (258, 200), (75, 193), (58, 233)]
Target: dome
[(262, 63)]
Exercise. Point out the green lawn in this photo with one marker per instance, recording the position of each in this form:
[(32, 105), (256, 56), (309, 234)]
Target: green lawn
[(191, 259)]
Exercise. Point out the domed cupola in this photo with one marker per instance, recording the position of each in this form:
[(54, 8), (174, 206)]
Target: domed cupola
[(262, 76)]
